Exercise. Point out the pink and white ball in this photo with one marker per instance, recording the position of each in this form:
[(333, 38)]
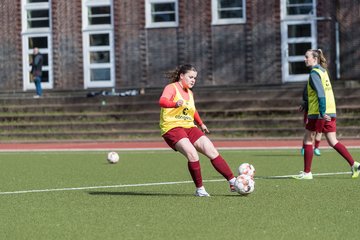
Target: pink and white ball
[(113, 157), (247, 169), (244, 184)]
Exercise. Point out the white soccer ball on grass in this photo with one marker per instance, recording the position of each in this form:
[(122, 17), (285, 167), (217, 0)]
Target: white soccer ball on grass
[(113, 157), (247, 169), (244, 184)]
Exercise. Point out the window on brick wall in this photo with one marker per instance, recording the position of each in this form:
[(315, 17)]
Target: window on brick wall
[(36, 14), (300, 7), (98, 15), (298, 34), (161, 13), (40, 42), (36, 32), (228, 11), (98, 44), (38, 18), (37, 1)]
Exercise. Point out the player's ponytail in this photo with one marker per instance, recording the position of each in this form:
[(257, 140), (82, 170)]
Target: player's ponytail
[(322, 59), (174, 75), (318, 53)]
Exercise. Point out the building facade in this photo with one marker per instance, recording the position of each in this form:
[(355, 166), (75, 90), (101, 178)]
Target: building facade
[(92, 44)]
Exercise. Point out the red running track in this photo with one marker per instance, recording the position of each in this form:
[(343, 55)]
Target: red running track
[(240, 144)]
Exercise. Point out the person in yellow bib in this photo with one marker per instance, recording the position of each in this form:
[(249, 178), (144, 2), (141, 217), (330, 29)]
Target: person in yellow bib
[(177, 117), (321, 114), (304, 108)]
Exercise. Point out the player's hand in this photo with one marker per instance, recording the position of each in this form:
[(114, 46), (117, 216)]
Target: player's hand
[(179, 103), (327, 118), (204, 128)]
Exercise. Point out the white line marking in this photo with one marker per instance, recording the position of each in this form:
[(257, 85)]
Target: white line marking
[(150, 184), (314, 174), (104, 187)]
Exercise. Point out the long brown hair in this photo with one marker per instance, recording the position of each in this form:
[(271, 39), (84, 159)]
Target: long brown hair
[(174, 75), (318, 53)]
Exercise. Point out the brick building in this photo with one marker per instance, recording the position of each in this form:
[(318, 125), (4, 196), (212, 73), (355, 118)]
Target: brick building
[(131, 43)]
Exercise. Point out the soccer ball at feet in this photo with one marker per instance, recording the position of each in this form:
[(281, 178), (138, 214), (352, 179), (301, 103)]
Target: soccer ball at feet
[(247, 169), (244, 184), (113, 157)]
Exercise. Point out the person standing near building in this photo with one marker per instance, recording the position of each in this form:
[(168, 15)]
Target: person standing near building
[(321, 114), (179, 131), (36, 71)]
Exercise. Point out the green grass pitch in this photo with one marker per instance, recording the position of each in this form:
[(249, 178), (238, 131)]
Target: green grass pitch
[(78, 195)]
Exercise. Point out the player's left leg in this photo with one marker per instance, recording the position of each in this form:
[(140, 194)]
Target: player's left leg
[(206, 147), (342, 150)]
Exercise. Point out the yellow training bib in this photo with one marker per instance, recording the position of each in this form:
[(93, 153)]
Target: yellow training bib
[(329, 95), (178, 117)]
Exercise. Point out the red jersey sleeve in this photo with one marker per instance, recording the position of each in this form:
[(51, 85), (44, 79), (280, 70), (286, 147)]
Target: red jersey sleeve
[(166, 103), (167, 97), (197, 118)]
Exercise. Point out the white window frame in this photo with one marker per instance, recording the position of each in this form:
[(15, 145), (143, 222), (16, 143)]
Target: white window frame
[(88, 65), (35, 32), (216, 20), (286, 58), (150, 24), (287, 20), (34, 6), (97, 29), (96, 3), (284, 14)]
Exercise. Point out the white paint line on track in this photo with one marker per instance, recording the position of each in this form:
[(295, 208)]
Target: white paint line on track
[(150, 184)]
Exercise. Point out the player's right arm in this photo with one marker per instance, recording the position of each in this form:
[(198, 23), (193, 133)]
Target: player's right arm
[(167, 98)]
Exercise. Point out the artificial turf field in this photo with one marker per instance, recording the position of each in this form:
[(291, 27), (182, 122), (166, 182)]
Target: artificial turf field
[(149, 195)]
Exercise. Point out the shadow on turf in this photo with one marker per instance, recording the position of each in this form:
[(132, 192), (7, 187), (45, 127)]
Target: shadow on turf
[(135, 194), (277, 155)]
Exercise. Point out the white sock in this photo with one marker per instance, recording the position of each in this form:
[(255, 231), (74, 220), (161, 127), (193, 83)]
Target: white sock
[(232, 181)]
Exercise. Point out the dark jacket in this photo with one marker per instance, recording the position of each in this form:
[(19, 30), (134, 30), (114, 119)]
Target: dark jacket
[(36, 66)]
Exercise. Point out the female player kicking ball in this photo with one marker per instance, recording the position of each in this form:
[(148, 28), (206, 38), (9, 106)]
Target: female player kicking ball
[(177, 126), (321, 114)]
